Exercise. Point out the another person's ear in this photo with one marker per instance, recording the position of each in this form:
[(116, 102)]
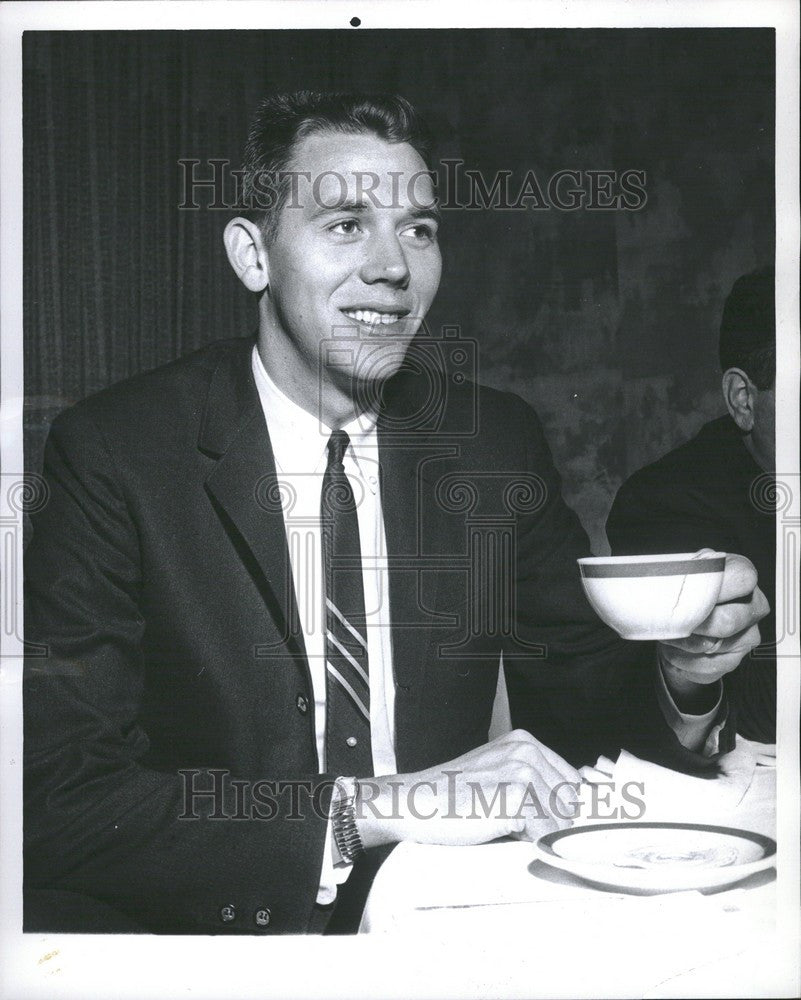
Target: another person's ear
[(740, 393), (247, 253)]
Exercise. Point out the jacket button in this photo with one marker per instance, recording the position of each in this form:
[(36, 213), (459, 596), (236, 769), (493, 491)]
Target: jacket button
[(302, 703), (227, 914), (263, 917)]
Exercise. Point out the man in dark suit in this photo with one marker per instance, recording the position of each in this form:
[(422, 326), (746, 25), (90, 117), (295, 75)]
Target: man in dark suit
[(718, 490), (274, 579)]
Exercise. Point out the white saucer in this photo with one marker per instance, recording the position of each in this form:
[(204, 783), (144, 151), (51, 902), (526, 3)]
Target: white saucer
[(657, 857)]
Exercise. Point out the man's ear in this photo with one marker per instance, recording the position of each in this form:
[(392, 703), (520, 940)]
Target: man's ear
[(247, 253), (739, 393)]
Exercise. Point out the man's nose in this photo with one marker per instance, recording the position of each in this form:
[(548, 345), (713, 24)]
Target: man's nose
[(385, 260)]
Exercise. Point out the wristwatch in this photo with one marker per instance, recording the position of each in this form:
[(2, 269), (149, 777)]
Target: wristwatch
[(343, 821)]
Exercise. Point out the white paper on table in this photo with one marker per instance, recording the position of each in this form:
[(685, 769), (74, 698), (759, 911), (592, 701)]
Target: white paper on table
[(664, 796), (765, 752)]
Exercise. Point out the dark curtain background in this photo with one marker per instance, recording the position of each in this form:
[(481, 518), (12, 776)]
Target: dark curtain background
[(605, 320)]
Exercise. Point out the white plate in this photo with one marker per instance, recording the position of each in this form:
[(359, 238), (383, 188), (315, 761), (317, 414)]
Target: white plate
[(657, 857)]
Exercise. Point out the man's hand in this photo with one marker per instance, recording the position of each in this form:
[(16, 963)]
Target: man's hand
[(721, 641), (512, 786)]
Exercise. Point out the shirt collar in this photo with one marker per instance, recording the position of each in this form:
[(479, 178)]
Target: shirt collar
[(299, 439)]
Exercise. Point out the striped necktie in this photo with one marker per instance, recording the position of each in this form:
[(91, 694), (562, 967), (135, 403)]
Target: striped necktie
[(347, 734)]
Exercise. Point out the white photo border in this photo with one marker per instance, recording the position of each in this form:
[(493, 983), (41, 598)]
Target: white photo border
[(55, 966)]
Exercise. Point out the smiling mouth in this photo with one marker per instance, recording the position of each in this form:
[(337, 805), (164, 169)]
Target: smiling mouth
[(372, 317)]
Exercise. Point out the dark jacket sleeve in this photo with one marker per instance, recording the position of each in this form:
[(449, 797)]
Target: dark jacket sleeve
[(572, 681), (666, 507), (98, 820), (654, 513)]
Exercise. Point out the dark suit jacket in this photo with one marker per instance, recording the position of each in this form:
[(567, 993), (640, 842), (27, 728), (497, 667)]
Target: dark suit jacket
[(710, 493), (159, 609)]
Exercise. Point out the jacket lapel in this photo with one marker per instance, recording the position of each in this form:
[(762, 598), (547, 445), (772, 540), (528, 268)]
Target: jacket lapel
[(417, 537), (244, 486)]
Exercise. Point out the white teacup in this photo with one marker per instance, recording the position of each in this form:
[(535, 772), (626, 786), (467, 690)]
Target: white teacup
[(653, 597)]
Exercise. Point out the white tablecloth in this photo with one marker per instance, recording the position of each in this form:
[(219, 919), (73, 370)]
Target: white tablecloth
[(569, 939)]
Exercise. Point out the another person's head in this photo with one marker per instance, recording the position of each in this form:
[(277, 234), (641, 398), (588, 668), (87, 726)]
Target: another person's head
[(748, 361), (340, 240)]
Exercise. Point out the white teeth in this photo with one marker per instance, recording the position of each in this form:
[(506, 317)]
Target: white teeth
[(372, 318)]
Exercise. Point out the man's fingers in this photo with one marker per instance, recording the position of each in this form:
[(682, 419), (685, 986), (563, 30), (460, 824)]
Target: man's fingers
[(547, 802), (536, 750), (541, 771), (739, 578), (556, 782), (567, 806), (563, 789), (721, 656), (726, 620), (565, 771), (735, 616), (706, 645), (695, 644)]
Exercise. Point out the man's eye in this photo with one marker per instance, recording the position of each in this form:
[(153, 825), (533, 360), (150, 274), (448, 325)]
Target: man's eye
[(347, 227), (422, 232)]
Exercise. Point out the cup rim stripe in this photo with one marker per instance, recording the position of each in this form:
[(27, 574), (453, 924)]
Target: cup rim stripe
[(690, 567)]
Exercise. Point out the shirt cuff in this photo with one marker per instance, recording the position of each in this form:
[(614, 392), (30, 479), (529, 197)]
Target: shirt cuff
[(698, 733), (332, 875)]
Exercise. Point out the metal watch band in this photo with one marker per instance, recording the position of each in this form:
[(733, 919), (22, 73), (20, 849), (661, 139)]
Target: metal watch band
[(343, 821)]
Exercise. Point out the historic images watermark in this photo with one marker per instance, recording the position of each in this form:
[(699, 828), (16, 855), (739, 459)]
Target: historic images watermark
[(21, 494), (215, 184), (214, 794), (776, 496)]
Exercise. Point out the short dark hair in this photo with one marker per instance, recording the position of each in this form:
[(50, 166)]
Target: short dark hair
[(748, 327), (282, 120)]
